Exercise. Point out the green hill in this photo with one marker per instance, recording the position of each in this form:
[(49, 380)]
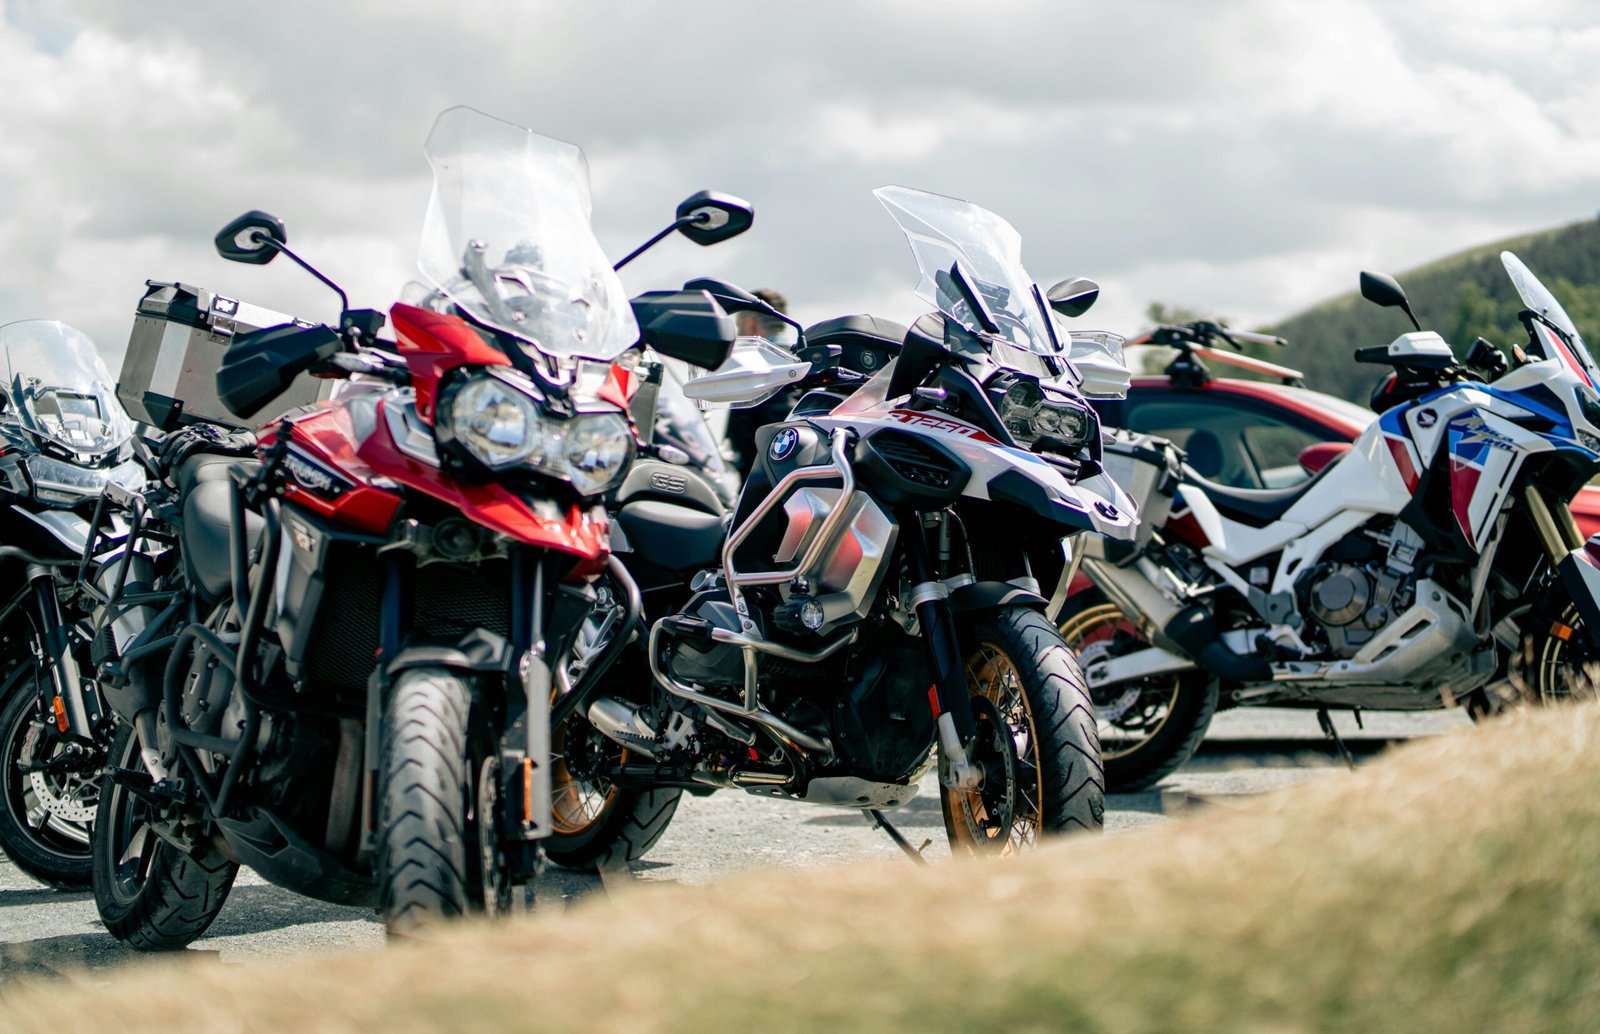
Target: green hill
[(1463, 296)]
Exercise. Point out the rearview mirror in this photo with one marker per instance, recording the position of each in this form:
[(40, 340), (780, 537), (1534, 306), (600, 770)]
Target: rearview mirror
[(1383, 289), (250, 238), (1073, 297), (709, 217)]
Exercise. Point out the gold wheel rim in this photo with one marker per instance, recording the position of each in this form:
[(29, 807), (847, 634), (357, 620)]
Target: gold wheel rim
[(576, 805), (992, 674), (1075, 630)]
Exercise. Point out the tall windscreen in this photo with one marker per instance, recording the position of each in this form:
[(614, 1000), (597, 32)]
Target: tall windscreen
[(507, 238)]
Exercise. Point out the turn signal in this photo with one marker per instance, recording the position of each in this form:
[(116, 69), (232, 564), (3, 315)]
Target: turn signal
[(59, 706)]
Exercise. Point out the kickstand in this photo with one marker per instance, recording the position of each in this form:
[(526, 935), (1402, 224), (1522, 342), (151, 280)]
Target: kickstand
[(1326, 721), (878, 820)]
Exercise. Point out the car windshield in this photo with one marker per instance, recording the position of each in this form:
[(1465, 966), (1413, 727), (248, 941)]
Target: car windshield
[(57, 388), (1538, 298), (966, 254), (507, 238)]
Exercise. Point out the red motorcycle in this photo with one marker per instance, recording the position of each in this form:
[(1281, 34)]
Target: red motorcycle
[(332, 660)]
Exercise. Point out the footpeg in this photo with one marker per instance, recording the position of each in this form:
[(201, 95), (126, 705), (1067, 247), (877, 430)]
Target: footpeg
[(622, 723), (141, 785)]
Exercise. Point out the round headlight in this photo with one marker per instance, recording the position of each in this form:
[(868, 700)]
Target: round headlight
[(596, 450), (499, 425)]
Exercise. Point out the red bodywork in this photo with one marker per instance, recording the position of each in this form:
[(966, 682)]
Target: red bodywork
[(376, 471)]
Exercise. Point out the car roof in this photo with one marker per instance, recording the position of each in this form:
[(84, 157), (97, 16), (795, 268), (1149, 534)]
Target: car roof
[(1329, 410)]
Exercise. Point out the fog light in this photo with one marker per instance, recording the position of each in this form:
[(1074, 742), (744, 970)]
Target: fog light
[(811, 615)]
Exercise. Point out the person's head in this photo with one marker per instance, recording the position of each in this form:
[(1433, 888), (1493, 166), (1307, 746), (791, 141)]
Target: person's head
[(756, 324)]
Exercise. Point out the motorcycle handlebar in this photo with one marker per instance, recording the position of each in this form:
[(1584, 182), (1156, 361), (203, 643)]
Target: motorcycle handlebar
[(1256, 339), (1373, 354)]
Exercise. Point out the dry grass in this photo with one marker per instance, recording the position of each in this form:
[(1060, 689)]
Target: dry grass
[(1451, 886)]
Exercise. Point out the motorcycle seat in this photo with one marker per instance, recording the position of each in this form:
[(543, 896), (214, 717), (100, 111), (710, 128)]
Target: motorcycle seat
[(671, 536), (867, 343), (1257, 507), (207, 522)]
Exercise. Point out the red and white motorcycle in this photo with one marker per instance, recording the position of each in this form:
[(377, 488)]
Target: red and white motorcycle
[(1436, 562)]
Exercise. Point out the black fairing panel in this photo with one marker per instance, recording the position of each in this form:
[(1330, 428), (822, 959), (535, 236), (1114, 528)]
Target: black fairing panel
[(667, 482), (813, 448), (904, 469), (207, 522), (672, 536)]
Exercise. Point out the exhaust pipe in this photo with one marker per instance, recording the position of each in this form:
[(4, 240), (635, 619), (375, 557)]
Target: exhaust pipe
[(1194, 630)]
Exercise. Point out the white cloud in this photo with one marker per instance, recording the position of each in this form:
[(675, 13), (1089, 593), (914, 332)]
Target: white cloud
[(1245, 156)]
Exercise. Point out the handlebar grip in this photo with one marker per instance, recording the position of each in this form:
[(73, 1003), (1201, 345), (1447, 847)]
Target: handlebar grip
[(1373, 354)]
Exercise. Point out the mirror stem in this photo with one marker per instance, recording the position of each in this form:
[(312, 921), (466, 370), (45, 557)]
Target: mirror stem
[(652, 242), (344, 299)]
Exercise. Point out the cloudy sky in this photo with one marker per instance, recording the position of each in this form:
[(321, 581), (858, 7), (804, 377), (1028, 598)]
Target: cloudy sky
[(1243, 157)]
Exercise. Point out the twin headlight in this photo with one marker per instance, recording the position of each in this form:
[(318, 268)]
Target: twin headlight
[(1033, 417), (506, 428)]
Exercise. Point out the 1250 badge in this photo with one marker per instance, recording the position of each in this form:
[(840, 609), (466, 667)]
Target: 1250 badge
[(930, 422)]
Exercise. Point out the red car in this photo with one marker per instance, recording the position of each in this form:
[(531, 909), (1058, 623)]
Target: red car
[(1250, 434)]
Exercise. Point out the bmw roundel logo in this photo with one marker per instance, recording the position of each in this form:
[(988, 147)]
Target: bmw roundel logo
[(784, 443)]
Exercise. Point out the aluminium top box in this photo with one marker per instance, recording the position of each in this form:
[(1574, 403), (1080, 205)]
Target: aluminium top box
[(180, 333), (1149, 468)]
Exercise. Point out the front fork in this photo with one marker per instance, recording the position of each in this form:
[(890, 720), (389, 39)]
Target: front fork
[(930, 599), (1578, 570), (73, 712)]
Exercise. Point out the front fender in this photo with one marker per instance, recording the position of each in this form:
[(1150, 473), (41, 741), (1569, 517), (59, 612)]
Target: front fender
[(477, 651), (978, 596), (1094, 503)]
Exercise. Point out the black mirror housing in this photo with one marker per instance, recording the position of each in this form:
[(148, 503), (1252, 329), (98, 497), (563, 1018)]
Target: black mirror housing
[(709, 217), (1073, 297), (260, 366), (1383, 289), (687, 325), (250, 238)]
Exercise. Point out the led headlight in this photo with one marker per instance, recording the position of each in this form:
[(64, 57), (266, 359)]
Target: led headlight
[(500, 426), (596, 448), (505, 428), (1032, 416)]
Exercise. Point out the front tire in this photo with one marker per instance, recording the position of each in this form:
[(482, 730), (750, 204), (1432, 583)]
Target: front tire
[(1148, 729), (45, 817), (1037, 740), (438, 847), (149, 893)]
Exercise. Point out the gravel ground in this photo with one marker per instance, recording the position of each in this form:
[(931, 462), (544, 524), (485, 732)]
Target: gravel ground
[(43, 932)]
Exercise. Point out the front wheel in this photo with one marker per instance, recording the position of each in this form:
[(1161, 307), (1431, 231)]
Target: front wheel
[(439, 849), (148, 892), (1150, 727), (1037, 742), (45, 812), (1558, 663)]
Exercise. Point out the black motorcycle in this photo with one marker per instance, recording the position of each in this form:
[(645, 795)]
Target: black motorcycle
[(63, 437)]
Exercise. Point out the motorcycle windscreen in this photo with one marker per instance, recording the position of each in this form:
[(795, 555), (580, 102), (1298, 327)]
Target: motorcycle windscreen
[(57, 387), (956, 241), (1566, 345), (507, 238)]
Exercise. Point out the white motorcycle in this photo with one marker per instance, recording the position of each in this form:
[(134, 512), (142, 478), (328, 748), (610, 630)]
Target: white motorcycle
[(1435, 563)]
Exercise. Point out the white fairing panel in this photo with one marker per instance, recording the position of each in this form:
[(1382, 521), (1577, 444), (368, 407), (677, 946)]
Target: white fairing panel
[(1106, 508)]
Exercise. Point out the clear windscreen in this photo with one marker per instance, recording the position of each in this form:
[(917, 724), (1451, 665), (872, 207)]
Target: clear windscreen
[(956, 242), (1537, 297), (57, 387), (507, 238)]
